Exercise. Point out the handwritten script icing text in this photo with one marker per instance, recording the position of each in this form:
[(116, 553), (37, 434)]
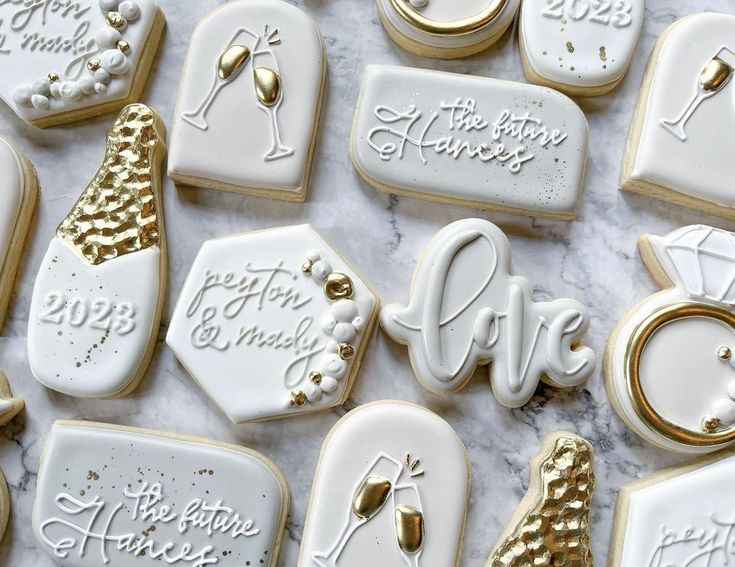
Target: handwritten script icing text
[(696, 547)]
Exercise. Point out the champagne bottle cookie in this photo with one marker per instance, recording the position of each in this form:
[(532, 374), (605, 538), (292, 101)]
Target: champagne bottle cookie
[(98, 296)]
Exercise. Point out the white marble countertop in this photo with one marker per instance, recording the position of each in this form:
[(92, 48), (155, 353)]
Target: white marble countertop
[(592, 259)]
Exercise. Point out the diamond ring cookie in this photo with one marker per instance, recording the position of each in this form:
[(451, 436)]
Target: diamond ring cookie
[(473, 141), (99, 292), (680, 516), (466, 309), (391, 488), (552, 520), (668, 366), (249, 101), (68, 61), (580, 47), (445, 28), (121, 496), (18, 197), (273, 323), (680, 139)]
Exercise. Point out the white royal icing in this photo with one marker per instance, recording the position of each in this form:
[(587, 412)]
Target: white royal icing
[(466, 309), (117, 497), (89, 326), (681, 375), (581, 43), (474, 139), (61, 36), (222, 131), (12, 186), (681, 119), (682, 521), (251, 327), (422, 465)]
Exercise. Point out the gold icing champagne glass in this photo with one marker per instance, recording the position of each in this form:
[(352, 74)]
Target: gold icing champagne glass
[(409, 523), (369, 498), (714, 76), (269, 94)]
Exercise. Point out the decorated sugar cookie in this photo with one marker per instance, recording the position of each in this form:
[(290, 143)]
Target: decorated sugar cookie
[(120, 496), (4, 505), (677, 517), (446, 29), (669, 369), (18, 196), (65, 61), (472, 141), (97, 301), (9, 406), (552, 520), (580, 47), (679, 142), (391, 488), (272, 323), (466, 309), (249, 101)]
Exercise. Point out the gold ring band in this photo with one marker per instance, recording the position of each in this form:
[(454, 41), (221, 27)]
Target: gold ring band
[(637, 344), (456, 28)]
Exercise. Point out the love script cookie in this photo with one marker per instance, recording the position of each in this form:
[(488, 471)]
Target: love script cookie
[(391, 488), (467, 310), (678, 517), (67, 60), (551, 525), (18, 196), (680, 138), (446, 29), (580, 47), (9, 406), (249, 101), (472, 141), (668, 365), (272, 323), (121, 496), (99, 291)]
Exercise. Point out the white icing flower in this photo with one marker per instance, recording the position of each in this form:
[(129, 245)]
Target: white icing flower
[(313, 256), (328, 324), (114, 62), (102, 76), (130, 10), (321, 269), (344, 332), (109, 5), (70, 90), (41, 87), (22, 95), (358, 323), (344, 310), (40, 102), (328, 384), (724, 410), (86, 83), (100, 88), (107, 38), (333, 365), (313, 392), (54, 88)]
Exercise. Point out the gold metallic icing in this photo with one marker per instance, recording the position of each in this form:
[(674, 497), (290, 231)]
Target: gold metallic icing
[(338, 286), (409, 529), (555, 531), (232, 60), (371, 496), (708, 436), (715, 75), (119, 211), (456, 28), (267, 85)]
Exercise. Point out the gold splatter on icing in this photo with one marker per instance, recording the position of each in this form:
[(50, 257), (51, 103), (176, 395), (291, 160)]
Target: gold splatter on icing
[(118, 212), (603, 53), (555, 530), (570, 47)]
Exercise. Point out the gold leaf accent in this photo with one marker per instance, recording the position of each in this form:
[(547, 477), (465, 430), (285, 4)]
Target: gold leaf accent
[(371, 496), (118, 212), (338, 286), (267, 85), (409, 529), (232, 60), (555, 528)]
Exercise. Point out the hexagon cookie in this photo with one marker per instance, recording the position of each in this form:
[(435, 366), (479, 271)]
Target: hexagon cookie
[(272, 323), (65, 61), (681, 516)]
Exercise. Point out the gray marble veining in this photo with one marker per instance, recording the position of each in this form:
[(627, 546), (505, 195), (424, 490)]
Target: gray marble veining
[(593, 259)]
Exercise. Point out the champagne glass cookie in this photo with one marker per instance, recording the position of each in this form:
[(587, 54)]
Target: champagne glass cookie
[(669, 366)]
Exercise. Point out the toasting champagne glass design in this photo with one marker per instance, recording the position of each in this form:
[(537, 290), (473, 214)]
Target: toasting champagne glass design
[(715, 75), (376, 487), (266, 79)]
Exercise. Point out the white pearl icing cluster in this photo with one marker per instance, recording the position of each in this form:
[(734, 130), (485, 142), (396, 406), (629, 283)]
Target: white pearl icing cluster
[(342, 325), (112, 61)]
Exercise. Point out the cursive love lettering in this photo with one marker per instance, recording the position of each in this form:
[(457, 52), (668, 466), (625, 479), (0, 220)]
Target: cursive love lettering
[(408, 128), (28, 10)]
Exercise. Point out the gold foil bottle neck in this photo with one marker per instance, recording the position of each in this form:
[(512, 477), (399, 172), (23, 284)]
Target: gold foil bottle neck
[(555, 530), (119, 211)]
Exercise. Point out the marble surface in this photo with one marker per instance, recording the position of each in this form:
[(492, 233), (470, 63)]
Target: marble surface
[(592, 259)]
